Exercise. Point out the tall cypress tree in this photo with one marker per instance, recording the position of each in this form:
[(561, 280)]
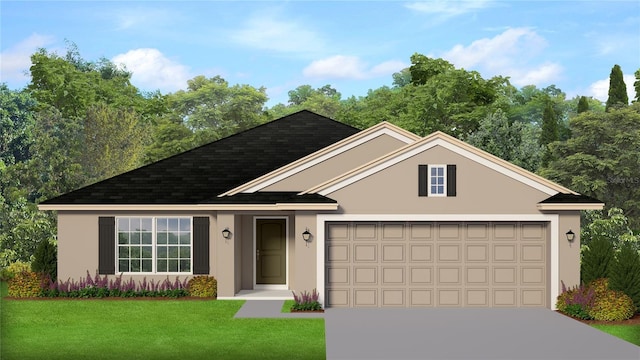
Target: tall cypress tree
[(636, 85), (624, 273), (617, 89), (583, 104)]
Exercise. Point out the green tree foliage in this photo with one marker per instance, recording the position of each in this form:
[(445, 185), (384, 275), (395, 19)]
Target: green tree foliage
[(636, 85), (401, 78), (596, 260), (324, 101), (45, 259), (583, 105), (602, 158), (16, 122), (170, 137), (612, 225), (113, 141), (617, 89), (515, 142), (212, 109), (624, 272)]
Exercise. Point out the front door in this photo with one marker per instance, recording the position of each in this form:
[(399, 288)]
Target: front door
[(271, 252)]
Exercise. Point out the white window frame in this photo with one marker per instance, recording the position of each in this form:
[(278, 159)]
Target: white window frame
[(154, 246), (444, 179)]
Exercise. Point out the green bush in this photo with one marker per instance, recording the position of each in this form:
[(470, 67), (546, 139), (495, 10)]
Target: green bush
[(612, 306), (46, 260), (25, 284), (576, 301), (10, 271), (203, 286), (577, 310), (625, 272), (596, 259)]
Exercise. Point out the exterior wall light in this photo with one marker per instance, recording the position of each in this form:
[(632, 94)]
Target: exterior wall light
[(570, 236), (226, 233), (306, 235)]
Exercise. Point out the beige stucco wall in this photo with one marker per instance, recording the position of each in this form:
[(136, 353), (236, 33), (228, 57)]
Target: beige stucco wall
[(569, 253), (480, 190), (338, 164), (305, 259), (78, 242)]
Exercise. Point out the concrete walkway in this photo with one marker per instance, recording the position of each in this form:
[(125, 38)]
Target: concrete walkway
[(270, 309)]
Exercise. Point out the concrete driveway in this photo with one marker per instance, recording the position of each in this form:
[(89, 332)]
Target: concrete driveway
[(466, 334)]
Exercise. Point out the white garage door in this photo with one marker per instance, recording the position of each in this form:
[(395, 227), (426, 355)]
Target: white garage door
[(411, 264)]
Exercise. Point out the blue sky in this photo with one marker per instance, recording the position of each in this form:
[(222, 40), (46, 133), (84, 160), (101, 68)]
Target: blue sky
[(352, 45)]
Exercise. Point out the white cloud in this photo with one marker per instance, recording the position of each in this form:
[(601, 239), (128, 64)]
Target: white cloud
[(16, 60), (511, 53), (448, 8), (268, 33), (350, 67), (600, 89), (152, 70)]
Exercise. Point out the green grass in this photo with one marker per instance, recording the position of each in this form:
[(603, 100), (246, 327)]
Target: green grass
[(630, 333), (286, 307), (150, 329)]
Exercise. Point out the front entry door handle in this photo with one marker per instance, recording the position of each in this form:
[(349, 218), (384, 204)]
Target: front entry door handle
[(258, 255)]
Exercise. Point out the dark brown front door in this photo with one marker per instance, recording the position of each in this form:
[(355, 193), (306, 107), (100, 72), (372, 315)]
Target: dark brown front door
[(271, 252)]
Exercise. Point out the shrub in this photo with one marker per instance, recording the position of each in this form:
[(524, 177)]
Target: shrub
[(306, 301), (46, 259), (10, 271), (625, 272), (576, 301), (203, 286), (596, 260), (25, 284), (613, 306)]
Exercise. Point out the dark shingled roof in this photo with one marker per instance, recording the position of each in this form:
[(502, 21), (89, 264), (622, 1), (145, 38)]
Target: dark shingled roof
[(561, 198), (197, 176)]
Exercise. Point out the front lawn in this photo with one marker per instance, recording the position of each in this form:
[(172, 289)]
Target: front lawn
[(150, 329), (630, 333)]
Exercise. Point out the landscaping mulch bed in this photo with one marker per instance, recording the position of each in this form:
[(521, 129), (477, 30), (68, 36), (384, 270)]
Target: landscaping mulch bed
[(114, 298), (307, 311), (635, 320)]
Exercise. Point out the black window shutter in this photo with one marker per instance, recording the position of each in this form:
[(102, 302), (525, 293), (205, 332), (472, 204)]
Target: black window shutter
[(422, 180), (201, 245), (106, 245), (451, 180)]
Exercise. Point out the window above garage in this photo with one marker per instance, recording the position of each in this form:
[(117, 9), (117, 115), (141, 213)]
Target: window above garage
[(437, 180)]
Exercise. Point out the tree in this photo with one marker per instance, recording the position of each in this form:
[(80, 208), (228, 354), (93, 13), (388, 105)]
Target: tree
[(113, 141), (596, 260), (583, 104), (514, 142), (612, 225), (602, 159), (636, 86), (617, 89), (46, 259), (624, 272), (401, 78), (16, 123)]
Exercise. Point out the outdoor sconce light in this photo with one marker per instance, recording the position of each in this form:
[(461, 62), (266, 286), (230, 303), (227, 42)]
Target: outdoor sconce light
[(306, 235), (570, 236), (226, 233)]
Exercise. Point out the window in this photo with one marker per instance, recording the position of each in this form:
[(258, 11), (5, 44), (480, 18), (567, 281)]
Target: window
[(437, 180), (154, 245)]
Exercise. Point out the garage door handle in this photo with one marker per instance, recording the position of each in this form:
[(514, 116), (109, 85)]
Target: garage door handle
[(257, 255)]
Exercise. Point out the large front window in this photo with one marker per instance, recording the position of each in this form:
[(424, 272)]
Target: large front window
[(154, 245)]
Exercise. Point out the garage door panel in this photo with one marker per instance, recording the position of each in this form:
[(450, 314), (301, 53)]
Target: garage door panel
[(427, 264), (365, 232), (421, 231), (420, 253), (393, 253), (393, 297), (365, 297), (393, 276), (365, 275), (393, 232), (365, 253)]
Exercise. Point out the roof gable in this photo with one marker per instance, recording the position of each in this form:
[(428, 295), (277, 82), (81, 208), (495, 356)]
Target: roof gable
[(440, 139), (201, 174), (383, 128)]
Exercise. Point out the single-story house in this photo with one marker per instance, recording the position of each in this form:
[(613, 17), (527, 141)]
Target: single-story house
[(373, 218)]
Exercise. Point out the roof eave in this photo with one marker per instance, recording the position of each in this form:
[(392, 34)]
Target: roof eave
[(189, 207), (569, 206)]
